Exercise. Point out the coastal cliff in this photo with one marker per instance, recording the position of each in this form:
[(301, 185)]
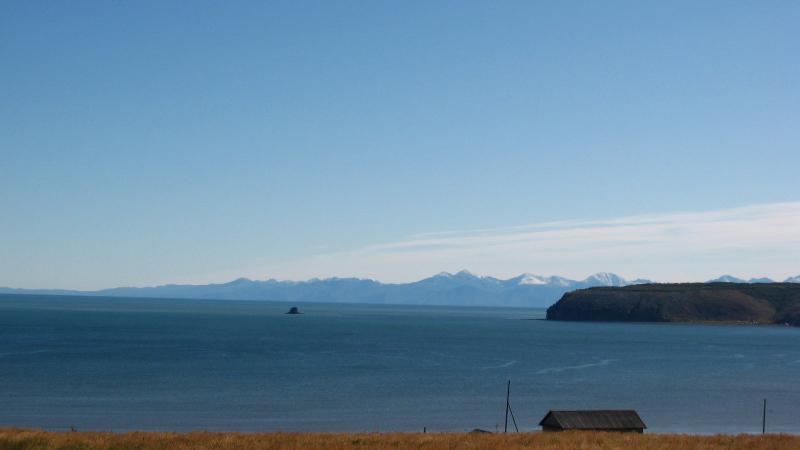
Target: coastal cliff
[(768, 303)]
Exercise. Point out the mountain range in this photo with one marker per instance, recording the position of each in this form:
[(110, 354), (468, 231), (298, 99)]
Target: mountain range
[(459, 289), (733, 279)]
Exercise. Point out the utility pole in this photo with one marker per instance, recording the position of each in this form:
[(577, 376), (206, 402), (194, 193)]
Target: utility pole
[(509, 410), (764, 418), (508, 406)]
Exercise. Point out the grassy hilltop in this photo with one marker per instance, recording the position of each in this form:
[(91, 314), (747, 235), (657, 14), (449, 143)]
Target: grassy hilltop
[(40, 440), (773, 303)]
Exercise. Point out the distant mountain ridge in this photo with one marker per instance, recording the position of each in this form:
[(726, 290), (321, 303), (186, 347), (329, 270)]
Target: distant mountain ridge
[(455, 289), (733, 279)]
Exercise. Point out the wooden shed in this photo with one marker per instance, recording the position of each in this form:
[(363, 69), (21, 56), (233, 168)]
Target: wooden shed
[(598, 420)]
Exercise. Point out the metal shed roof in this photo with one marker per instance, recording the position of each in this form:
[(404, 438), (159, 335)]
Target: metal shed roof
[(593, 420)]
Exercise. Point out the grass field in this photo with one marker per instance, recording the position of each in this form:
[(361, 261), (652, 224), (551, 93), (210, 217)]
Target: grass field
[(33, 439)]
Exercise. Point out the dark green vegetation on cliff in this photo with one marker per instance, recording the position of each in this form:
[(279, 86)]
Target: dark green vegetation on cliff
[(689, 302)]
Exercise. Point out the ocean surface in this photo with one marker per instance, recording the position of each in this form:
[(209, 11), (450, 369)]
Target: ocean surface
[(158, 364)]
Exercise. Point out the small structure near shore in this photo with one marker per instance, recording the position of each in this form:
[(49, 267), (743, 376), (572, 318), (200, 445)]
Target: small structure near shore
[(597, 420), (294, 310)]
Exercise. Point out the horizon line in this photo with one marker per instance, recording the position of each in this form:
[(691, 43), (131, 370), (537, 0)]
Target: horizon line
[(750, 280)]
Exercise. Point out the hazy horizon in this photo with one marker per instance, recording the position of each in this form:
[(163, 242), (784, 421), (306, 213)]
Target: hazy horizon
[(672, 247), (478, 275)]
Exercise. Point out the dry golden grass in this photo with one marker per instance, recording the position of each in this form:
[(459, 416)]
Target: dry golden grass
[(33, 439)]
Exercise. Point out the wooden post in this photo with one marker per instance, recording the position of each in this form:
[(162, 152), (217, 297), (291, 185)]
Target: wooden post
[(508, 394), (764, 418)]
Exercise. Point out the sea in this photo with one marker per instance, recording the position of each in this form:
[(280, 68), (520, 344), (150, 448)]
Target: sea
[(121, 364)]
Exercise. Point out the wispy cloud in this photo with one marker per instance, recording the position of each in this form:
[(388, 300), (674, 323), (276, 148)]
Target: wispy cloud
[(747, 241)]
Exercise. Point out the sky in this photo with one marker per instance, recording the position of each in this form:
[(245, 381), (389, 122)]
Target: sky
[(144, 143)]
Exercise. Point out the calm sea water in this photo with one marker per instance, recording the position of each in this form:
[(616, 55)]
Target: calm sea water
[(157, 364)]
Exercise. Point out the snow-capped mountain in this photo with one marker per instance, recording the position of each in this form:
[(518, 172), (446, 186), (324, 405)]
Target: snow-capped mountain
[(605, 279), (539, 280), (727, 279), (792, 279), (531, 279)]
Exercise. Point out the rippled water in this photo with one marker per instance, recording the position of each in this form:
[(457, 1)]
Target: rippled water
[(122, 364)]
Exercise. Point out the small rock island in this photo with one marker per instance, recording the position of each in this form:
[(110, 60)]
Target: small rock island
[(762, 303), (294, 310)]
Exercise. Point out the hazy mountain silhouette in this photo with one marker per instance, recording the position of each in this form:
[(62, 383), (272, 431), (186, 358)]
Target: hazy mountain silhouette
[(459, 289)]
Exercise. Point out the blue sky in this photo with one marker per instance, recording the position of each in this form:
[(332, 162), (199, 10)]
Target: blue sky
[(150, 142)]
